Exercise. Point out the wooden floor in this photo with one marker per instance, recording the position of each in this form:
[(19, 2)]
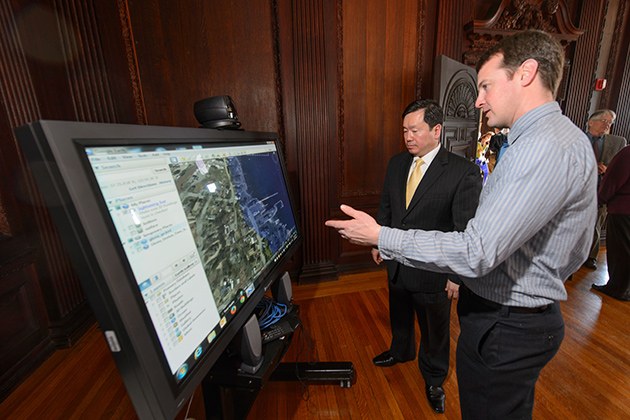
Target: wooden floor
[(348, 320)]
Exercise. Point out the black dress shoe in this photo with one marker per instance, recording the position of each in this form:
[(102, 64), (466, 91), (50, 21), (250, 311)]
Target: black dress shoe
[(385, 359), (436, 397), (591, 263), (601, 288)]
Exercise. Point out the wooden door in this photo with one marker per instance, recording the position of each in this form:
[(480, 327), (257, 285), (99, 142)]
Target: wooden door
[(455, 88)]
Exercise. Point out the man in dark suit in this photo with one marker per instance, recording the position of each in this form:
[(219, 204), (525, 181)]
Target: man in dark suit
[(427, 188), (605, 147)]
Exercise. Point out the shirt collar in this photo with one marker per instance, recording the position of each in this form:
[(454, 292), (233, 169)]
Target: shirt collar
[(594, 138), (530, 117), (428, 158)]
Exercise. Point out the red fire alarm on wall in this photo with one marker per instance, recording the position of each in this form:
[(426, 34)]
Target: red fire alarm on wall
[(600, 84)]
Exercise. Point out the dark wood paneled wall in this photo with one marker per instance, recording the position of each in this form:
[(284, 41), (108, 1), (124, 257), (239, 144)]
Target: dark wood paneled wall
[(617, 95), (582, 79), (622, 126), (314, 77), (331, 77), (189, 51), (380, 62), (51, 67), (451, 17)]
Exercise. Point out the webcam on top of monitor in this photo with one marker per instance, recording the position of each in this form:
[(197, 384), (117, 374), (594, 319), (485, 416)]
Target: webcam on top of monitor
[(217, 112)]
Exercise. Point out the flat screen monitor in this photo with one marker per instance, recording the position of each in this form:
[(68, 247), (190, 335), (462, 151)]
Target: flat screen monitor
[(175, 233)]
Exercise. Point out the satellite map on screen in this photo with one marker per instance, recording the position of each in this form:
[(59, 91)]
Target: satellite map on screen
[(228, 205)]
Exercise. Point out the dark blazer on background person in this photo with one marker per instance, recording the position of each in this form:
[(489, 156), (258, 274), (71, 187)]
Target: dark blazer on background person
[(446, 198)]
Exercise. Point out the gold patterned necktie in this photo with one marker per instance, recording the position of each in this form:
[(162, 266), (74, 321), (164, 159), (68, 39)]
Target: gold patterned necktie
[(414, 180)]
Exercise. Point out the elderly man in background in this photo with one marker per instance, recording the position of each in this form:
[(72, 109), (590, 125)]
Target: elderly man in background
[(605, 147)]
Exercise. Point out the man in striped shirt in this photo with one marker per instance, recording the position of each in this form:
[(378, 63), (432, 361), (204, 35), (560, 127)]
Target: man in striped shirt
[(513, 267)]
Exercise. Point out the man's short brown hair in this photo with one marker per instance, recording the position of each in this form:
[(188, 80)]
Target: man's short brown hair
[(534, 44)]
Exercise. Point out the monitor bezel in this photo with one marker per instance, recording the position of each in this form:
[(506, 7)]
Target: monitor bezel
[(56, 153)]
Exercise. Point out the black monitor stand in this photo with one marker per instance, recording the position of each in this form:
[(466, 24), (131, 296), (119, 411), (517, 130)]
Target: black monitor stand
[(229, 393)]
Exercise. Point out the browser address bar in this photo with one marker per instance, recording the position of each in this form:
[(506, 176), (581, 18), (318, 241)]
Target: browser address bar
[(121, 165)]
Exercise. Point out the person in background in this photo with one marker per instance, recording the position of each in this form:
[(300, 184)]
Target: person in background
[(498, 144), (483, 155), (443, 197), (614, 192), (605, 146), (513, 268)]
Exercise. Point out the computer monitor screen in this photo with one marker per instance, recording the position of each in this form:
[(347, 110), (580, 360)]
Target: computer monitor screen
[(176, 233)]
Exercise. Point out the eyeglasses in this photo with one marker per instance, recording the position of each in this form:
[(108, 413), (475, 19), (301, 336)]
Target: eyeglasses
[(611, 122)]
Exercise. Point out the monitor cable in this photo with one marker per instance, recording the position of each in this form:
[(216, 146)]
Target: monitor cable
[(272, 312), (305, 343)]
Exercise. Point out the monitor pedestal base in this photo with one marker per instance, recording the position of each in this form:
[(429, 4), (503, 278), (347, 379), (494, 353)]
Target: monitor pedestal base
[(229, 394)]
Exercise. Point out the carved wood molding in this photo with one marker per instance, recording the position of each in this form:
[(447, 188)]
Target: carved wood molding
[(132, 62), (275, 30), (511, 16), (341, 122), (420, 44), (460, 102)]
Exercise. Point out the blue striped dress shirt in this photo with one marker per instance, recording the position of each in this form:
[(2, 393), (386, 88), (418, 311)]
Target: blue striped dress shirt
[(534, 224)]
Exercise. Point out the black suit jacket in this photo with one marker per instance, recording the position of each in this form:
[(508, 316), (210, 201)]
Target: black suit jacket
[(446, 198)]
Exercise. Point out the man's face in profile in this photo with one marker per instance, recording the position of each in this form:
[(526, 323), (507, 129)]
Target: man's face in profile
[(498, 96)]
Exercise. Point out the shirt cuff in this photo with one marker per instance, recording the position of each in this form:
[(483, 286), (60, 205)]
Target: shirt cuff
[(388, 238)]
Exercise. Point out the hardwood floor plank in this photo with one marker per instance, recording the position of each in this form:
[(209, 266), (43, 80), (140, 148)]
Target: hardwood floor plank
[(362, 399), (349, 320), (340, 351), (380, 397)]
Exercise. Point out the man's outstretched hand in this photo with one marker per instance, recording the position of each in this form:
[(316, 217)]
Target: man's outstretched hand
[(362, 229)]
